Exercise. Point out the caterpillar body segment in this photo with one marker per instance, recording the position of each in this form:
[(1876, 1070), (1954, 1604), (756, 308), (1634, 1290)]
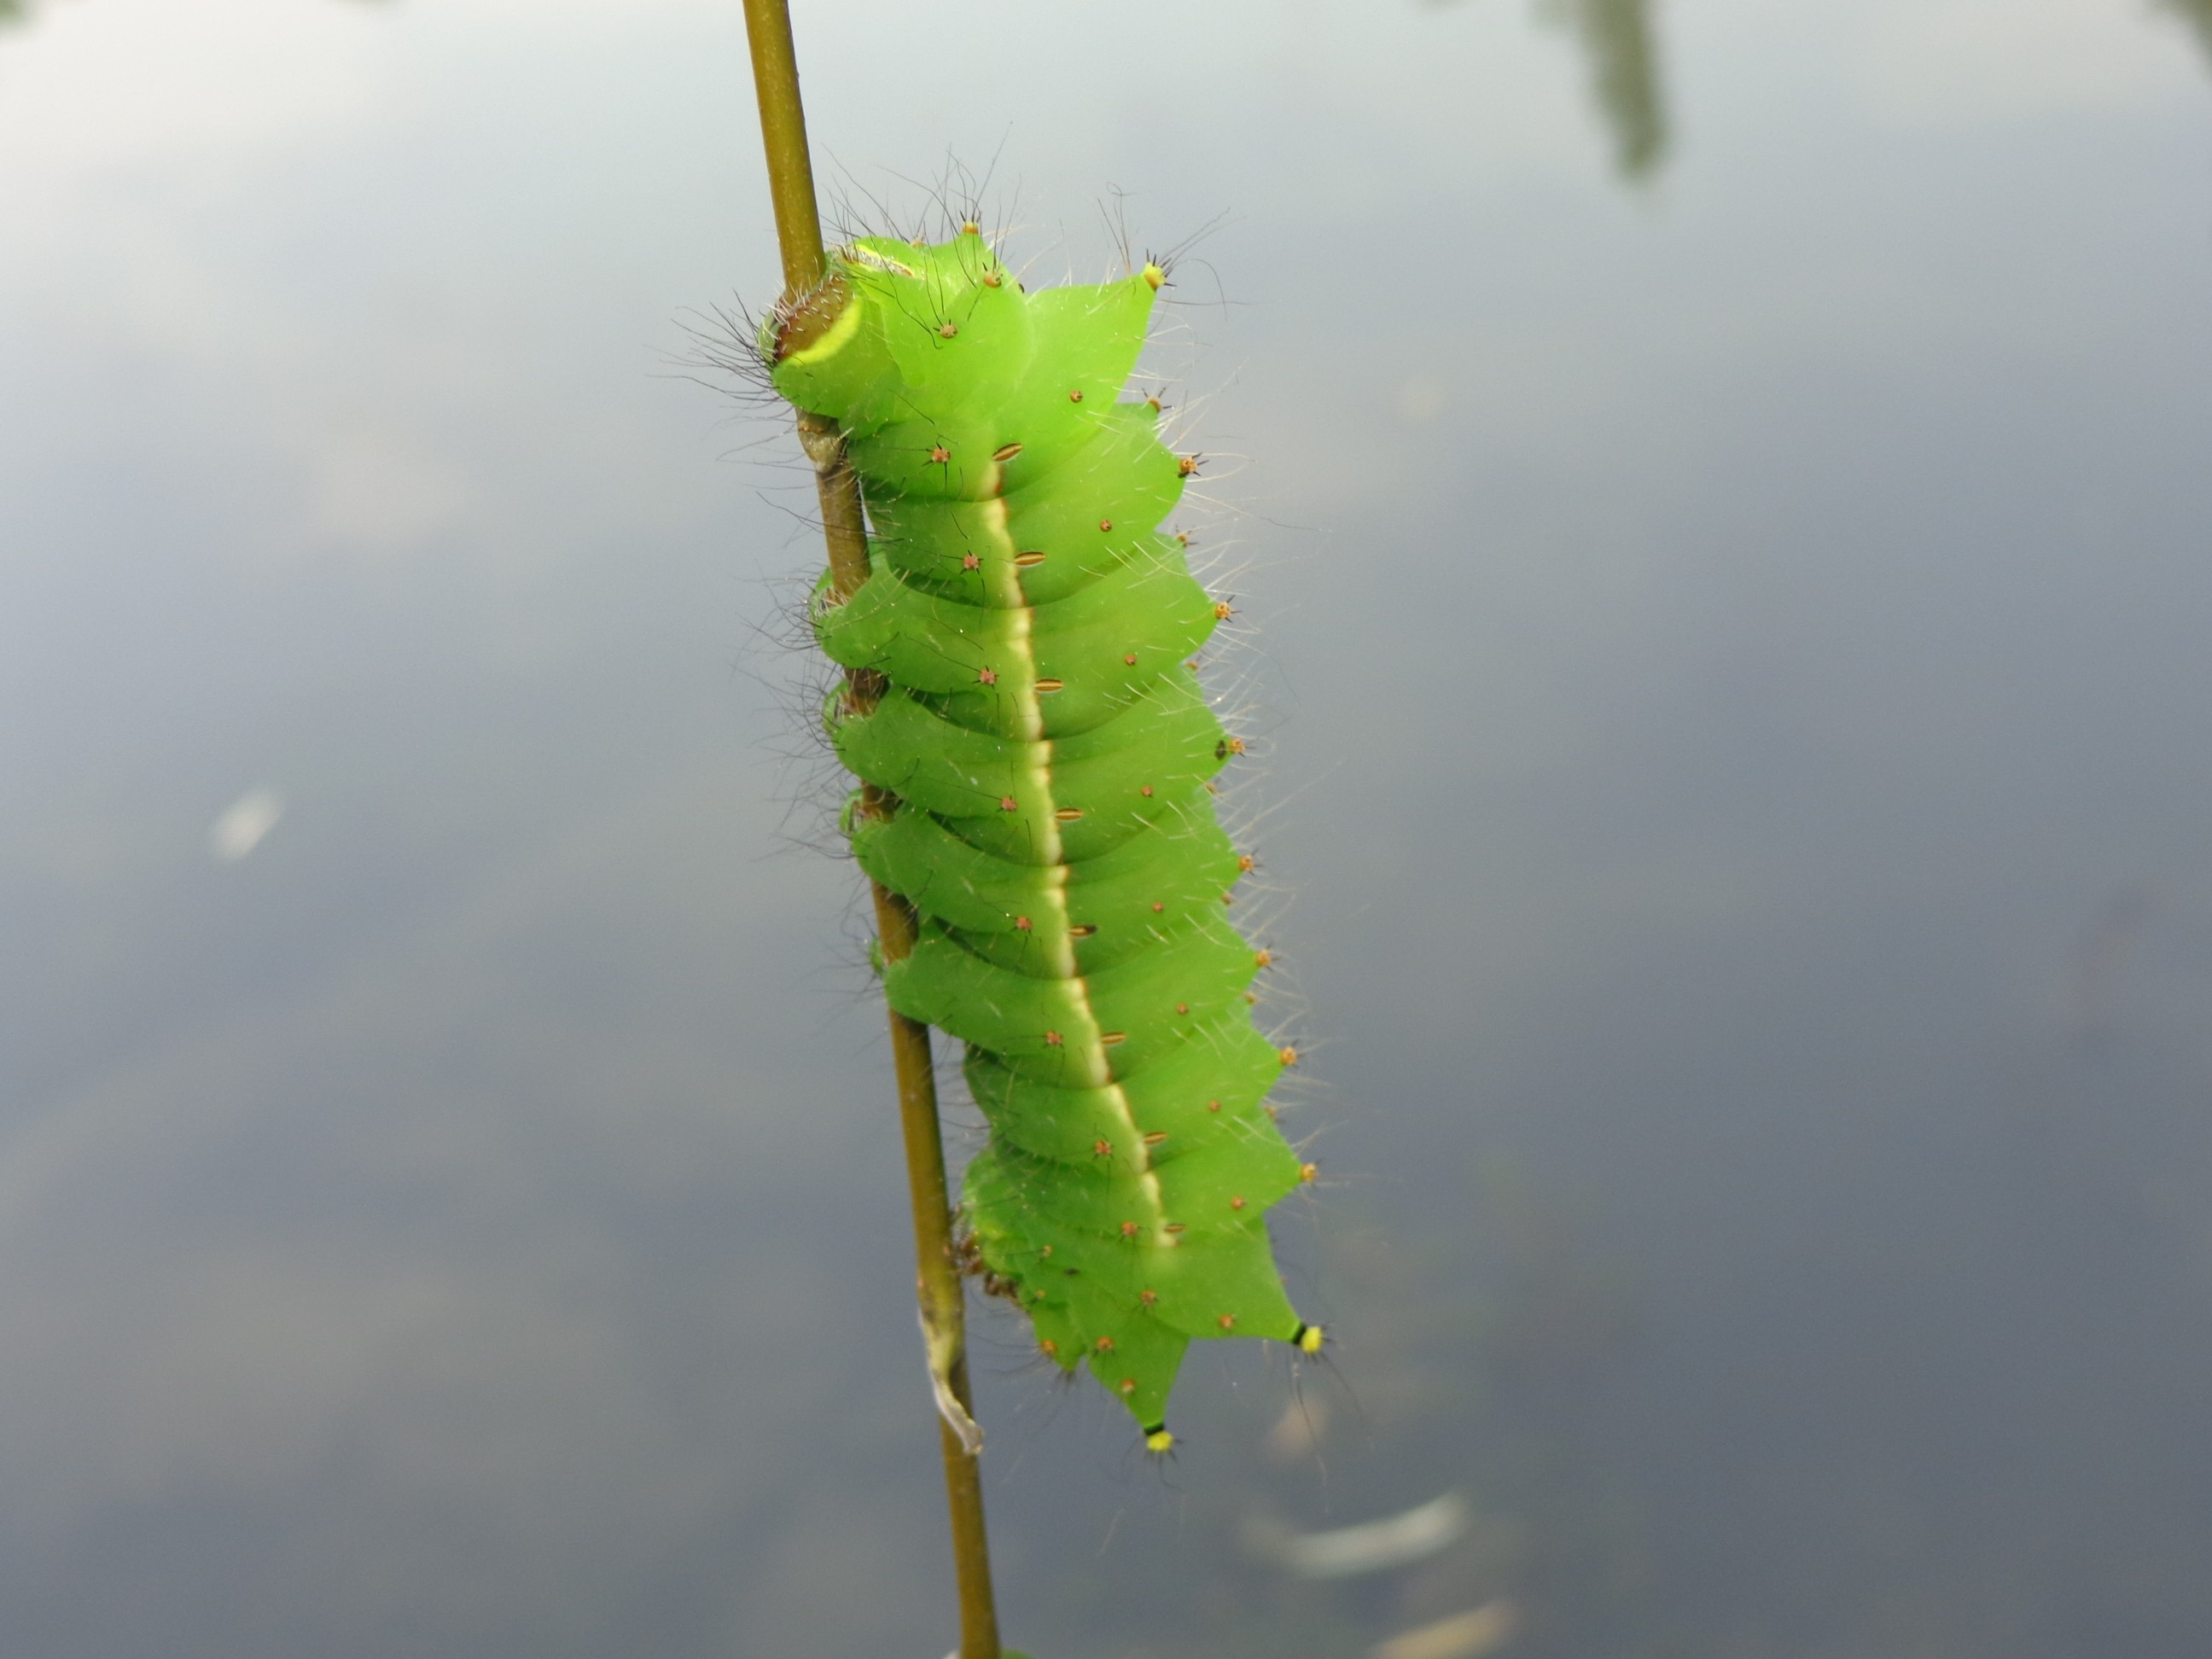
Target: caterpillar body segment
[(1034, 1019), (1051, 754), (1040, 801), (1154, 884), (1162, 1113), (1048, 669)]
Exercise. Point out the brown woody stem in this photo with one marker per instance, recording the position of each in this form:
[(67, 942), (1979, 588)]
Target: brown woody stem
[(798, 233)]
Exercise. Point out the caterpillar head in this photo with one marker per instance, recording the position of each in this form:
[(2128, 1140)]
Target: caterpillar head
[(940, 338)]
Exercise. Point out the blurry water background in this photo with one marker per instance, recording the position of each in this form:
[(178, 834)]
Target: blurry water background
[(1721, 496)]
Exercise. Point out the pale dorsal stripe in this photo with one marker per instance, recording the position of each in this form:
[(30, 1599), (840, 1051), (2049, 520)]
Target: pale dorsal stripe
[(1084, 1039)]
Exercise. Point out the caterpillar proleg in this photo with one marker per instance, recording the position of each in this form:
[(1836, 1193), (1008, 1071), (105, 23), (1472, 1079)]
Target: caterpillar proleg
[(1041, 759)]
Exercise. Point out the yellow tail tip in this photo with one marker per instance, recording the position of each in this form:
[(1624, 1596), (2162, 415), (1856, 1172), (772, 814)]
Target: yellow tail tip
[(1308, 1338), (1153, 275), (1158, 1440)]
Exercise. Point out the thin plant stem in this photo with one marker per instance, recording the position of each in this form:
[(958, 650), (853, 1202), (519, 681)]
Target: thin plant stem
[(937, 1281)]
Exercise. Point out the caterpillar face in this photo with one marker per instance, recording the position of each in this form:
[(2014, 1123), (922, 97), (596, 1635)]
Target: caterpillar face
[(1052, 755)]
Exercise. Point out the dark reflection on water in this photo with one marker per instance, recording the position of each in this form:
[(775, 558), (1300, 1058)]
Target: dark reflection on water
[(1618, 38), (1732, 681), (2197, 13), (1620, 43)]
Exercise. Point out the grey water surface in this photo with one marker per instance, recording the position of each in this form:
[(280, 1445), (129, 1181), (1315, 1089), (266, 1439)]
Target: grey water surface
[(1718, 492)]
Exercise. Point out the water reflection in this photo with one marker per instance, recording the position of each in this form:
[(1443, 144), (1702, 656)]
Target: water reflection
[(2197, 13), (1619, 43), (1449, 1492), (1741, 773), (13, 12), (1621, 46)]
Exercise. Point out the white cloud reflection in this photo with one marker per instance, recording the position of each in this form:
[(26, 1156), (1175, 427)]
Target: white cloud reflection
[(243, 824)]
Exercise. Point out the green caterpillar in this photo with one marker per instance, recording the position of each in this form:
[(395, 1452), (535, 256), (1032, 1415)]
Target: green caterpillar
[(1027, 702)]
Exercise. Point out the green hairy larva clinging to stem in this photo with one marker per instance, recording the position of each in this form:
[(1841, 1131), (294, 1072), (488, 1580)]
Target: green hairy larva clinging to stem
[(1040, 757)]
